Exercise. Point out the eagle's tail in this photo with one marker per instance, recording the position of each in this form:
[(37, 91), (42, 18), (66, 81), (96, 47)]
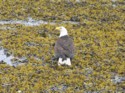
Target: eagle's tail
[(64, 62)]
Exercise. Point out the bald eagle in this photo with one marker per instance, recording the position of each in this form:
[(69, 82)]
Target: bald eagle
[(64, 47)]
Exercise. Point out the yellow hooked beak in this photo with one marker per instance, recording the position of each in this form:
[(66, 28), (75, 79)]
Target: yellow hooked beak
[(57, 28)]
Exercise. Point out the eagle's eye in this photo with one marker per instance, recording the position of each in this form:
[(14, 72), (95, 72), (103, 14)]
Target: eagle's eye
[(61, 28)]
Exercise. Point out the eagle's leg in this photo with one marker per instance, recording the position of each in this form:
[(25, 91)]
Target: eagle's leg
[(68, 62), (60, 62)]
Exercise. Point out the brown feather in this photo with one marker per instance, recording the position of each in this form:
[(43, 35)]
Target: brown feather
[(64, 48)]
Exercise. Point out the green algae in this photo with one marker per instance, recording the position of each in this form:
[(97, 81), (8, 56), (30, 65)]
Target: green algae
[(99, 42), (103, 51)]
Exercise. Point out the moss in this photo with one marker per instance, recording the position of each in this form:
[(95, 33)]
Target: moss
[(99, 42)]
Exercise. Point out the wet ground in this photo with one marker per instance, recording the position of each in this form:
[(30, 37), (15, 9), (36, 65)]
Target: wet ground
[(32, 22), (9, 59), (28, 36)]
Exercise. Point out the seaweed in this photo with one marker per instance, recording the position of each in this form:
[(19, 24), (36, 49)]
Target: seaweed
[(99, 62)]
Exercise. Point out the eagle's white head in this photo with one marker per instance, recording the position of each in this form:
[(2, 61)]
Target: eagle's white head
[(63, 31)]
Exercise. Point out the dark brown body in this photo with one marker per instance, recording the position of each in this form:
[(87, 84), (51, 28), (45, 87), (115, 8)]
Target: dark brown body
[(64, 48)]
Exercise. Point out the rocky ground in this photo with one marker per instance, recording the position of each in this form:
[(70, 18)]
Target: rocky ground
[(27, 37)]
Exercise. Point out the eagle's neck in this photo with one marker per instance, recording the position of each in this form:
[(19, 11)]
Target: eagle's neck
[(63, 33)]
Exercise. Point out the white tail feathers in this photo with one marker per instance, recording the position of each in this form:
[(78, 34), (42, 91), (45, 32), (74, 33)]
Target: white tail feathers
[(60, 62), (66, 62)]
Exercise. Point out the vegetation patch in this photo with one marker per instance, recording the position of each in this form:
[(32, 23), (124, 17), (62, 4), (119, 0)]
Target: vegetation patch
[(99, 62)]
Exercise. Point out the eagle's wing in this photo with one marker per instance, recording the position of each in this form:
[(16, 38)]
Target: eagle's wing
[(64, 48)]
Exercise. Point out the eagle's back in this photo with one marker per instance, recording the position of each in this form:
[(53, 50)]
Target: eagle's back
[(64, 48)]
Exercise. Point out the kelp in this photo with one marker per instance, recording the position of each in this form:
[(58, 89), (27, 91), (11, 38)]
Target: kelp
[(99, 46)]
